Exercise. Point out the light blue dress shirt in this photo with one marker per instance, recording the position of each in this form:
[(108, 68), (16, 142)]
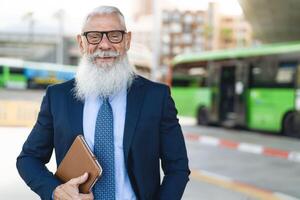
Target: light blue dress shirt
[(92, 104)]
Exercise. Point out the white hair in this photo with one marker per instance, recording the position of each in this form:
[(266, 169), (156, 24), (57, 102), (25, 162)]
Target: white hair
[(105, 10)]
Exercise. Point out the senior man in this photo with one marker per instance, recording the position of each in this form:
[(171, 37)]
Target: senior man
[(129, 122)]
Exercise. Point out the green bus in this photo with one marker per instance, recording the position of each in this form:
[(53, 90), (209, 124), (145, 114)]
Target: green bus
[(12, 77), (256, 88)]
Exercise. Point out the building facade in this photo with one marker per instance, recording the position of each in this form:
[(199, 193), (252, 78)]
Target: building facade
[(196, 31)]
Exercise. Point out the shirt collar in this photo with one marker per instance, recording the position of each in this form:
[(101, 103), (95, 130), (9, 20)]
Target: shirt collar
[(111, 98)]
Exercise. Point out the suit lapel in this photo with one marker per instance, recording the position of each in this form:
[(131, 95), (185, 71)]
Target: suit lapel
[(75, 108), (135, 98)]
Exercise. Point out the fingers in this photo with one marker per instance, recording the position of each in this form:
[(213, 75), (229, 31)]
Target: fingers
[(66, 193), (62, 192), (79, 180), (88, 196), (70, 190)]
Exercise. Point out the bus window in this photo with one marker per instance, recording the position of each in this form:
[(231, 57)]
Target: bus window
[(200, 75), (286, 71), (185, 81), (270, 74), (178, 82), (189, 77), (1, 69), (14, 70)]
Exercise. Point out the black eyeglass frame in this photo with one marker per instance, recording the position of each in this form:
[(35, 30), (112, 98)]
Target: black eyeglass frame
[(104, 33)]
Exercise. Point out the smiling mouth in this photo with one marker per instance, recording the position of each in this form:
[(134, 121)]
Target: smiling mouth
[(105, 59)]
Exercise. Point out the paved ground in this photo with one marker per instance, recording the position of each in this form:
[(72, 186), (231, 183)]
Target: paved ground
[(255, 175)]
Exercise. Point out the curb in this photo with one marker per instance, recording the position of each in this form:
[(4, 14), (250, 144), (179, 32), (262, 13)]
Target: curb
[(243, 147)]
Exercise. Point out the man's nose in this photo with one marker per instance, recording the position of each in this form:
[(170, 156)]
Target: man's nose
[(105, 44)]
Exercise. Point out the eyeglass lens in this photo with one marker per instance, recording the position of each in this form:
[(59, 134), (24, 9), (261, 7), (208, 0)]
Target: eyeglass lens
[(96, 37)]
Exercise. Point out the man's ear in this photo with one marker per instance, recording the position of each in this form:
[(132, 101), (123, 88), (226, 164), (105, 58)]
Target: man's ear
[(80, 43), (127, 41)]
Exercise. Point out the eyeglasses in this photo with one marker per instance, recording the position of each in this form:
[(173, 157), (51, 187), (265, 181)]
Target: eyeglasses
[(95, 37)]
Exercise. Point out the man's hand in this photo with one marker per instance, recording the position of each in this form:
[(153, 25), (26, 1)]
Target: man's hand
[(70, 190)]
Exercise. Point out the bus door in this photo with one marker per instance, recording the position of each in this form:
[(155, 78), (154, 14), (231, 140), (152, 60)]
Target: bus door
[(227, 96), (240, 96), (213, 82)]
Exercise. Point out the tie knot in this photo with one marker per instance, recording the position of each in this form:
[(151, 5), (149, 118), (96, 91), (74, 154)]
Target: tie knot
[(105, 104), (106, 100)]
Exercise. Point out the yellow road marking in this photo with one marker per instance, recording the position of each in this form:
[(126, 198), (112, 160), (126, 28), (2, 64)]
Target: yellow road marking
[(239, 187)]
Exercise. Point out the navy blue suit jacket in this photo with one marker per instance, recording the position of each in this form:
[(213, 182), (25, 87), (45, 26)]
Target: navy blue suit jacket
[(152, 132)]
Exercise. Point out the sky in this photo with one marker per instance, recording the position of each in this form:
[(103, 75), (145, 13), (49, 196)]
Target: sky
[(12, 12)]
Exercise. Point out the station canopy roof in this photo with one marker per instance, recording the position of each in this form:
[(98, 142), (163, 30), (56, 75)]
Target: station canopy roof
[(273, 20)]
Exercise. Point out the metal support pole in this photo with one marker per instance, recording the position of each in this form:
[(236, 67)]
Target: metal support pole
[(156, 40), (59, 15)]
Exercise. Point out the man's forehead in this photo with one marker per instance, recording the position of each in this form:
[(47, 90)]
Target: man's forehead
[(104, 21)]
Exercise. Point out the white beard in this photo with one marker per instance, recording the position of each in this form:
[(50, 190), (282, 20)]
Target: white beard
[(102, 81)]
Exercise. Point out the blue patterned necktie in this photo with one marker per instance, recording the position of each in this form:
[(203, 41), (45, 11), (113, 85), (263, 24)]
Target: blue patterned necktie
[(104, 189)]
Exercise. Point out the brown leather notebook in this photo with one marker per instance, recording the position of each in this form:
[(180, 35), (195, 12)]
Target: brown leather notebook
[(78, 160)]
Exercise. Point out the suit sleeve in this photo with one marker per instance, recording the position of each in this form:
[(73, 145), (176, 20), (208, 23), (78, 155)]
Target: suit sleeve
[(37, 151), (172, 152)]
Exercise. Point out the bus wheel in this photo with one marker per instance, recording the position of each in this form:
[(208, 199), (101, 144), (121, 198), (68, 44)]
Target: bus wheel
[(291, 125), (202, 116)]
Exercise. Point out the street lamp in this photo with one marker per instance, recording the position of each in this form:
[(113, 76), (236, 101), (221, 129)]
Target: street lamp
[(31, 22)]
